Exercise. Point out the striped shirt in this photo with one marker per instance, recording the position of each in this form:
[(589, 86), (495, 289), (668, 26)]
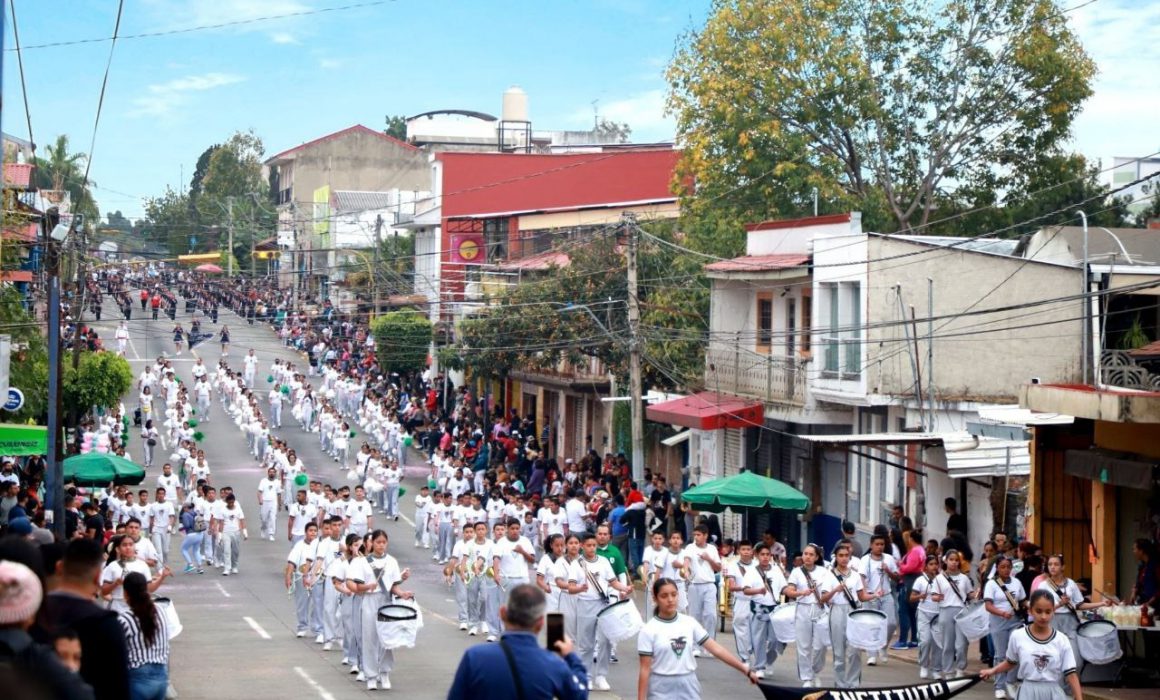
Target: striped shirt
[(141, 653)]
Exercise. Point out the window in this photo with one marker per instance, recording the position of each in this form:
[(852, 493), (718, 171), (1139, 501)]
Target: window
[(495, 233), (764, 322), (807, 322), (841, 302)]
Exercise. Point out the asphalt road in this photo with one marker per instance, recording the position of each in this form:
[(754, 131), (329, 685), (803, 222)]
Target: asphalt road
[(238, 639)]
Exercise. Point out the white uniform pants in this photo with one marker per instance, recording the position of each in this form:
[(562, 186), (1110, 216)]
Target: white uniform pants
[(811, 652), (742, 619), (703, 606), (376, 661), (929, 641), (764, 645), (888, 604), (231, 549), (586, 633), (331, 615), (161, 540), (269, 517), (847, 659), (954, 644)]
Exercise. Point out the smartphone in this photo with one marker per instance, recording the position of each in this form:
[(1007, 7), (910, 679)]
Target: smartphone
[(555, 630)]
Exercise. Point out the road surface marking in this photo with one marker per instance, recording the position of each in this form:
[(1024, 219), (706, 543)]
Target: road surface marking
[(409, 521), (223, 589), (322, 692), (257, 628)]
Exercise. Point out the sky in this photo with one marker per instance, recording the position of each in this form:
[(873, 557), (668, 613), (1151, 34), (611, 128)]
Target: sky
[(294, 79)]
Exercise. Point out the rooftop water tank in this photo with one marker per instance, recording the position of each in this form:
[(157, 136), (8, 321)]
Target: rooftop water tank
[(515, 105)]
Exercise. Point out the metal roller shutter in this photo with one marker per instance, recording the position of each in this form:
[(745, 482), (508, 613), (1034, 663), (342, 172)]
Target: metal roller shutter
[(734, 463)]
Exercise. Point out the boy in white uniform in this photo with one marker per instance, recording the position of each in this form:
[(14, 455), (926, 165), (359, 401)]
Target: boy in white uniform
[(233, 532), (879, 574), (162, 518), (269, 501), (358, 517), (422, 501), (704, 563)]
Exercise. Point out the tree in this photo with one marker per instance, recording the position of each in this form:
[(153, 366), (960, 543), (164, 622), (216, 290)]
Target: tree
[(28, 369), (170, 218), (890, 107), (402, 341), (396, 127), (613, 132), (233, 180), (100, 380), (63, 170)]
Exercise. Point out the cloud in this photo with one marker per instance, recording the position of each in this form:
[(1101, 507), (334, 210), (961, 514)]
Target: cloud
[(283, 38), (644, 112), (1119, 118), (182, 14), (162, 99)]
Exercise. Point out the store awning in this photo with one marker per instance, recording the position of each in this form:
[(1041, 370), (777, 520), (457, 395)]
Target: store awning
[(677, 439), (986, 457), (873, 439), (1109, 467), (708, 410)]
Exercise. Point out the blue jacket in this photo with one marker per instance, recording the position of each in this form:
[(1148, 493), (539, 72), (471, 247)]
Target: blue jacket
[(484, 672)]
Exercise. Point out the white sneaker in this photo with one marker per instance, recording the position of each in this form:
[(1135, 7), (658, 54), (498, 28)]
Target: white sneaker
[(472, 632), (601, 683), (871, 660), (345, 661), (882, 659), (1001, 695), (807, 684), (759, 674), (318, 639), (462, 626), (491, 638), (354, 668), (960, 673), (360, 677), (300, 634), (327, 646), (426, 546), (697, 653), (235, 570), (385, 683), (226, 572), (924, 673), (372, 685)]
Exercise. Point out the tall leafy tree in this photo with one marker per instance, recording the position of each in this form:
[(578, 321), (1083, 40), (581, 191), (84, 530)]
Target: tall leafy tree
[(396, 126), (62, 169), (233, 182), (887, 106)]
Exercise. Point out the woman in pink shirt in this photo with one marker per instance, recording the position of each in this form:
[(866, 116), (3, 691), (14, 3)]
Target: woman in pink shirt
[(910, 567)]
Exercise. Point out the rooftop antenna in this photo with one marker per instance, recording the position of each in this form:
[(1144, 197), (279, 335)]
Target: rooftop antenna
[(595, 113)]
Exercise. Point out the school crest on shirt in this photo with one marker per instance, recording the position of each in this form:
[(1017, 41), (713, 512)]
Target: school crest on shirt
[(679, 644), (1041, 661)]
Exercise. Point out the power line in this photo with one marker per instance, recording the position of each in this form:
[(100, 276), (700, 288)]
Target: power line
[(101, 97), (207, 27), (23, 84)]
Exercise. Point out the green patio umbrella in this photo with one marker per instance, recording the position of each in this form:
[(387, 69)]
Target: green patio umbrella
[(743, 492), (97, 469)]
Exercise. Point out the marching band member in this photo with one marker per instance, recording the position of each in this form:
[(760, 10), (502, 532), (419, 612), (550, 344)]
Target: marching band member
[(301, 573), (676, 570), (656, 556), (880, 574), (378, 579), (704, 563), (351, 608), (422, 503), (468, 558), (1003, 596), (594, 594), (926, 593), (553, 550), (762, 585), (809, 584), (666, 671), (569, 579), (1068, 600), (955, 588), (1040, 656), (269, 503), (846, 596), (733, 577)]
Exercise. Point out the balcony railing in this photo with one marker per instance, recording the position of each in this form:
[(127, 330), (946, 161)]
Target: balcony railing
[(1118, 368), (746, 373)]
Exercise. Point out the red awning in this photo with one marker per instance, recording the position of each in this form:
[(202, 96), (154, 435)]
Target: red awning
[(708, 410)]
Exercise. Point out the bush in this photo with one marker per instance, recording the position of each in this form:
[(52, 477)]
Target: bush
[(402, 341)]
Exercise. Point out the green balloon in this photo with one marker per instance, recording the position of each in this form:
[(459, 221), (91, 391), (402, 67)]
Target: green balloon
[(301, 480), (407, 440)]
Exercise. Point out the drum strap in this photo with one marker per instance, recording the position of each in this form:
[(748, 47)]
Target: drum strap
[(592, 578), (846, 591), (1010, 598), (1059, 594), (813, 587), (512, 667), (955, 588), (765, 581)]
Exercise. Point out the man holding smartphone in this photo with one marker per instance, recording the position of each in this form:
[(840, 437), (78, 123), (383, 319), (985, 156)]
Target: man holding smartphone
[(493, 670)]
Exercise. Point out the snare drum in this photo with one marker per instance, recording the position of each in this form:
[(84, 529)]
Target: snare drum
[(619, 621), (172, 622), (973, 621), (783, 619), (1098, 642), (866, 629), (398, 625)]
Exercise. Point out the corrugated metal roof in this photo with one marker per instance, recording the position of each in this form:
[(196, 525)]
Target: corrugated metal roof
[(877, 439), (541, 261), (969, 457), (995, 246), (18, 175), (1150, 350), (356, 201), (1014, 415), (758, 263)]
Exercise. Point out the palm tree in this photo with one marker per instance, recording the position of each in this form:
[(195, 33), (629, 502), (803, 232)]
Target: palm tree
[(62, 170)]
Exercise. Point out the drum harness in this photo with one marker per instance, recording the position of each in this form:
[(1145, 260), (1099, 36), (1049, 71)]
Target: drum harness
[(754, 606), (845, 590), (1059, 594), (814, 588), (592, 578), (955, 588), (1015, 606)]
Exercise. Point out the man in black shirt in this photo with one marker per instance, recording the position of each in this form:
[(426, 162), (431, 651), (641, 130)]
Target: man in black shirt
[(955, 522), (104, 658)]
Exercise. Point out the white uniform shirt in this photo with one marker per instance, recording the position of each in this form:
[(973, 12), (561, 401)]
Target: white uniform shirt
[(269, 490), (993, 592), (159, 515), (302, 514), (822, 578), (371, 570), (926, 587), (232, 518), (553, 522), (116, 570), (671, 643), (1040, 661), (1069, 589), (947, 584), (852, 582), (421, 504), (512, 564), (359, 512), (599, 577), (576, 512), (170, 484), (655, 560), (877, 580), (773, 580), (702, 571)]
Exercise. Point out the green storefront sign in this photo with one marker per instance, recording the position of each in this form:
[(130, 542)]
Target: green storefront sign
[(22, 440)]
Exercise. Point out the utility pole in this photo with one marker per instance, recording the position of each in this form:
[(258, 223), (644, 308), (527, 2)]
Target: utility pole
[(230, 246), (374, 276), (634, 371), (54, 487)]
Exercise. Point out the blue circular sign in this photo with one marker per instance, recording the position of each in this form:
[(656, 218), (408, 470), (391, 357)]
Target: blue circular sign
[(15, 399)]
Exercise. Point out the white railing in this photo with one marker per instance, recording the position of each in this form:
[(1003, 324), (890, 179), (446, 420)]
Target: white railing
[(747, 373)]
